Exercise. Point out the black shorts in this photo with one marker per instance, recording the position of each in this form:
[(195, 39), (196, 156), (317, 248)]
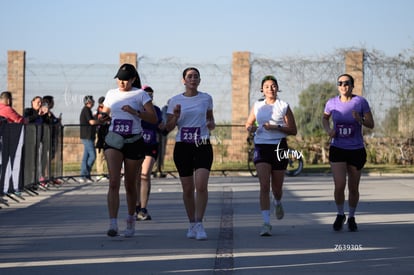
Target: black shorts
[(134, 151), (189, 157), (354, 157), (151, 150), (274, 154)]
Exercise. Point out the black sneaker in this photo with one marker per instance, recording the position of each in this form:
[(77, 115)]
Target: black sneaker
[(143, 215), (352, 226), (112, 233), (339, 222)]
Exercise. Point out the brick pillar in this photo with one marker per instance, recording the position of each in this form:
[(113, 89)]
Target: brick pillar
[(240, 103), (131, 58), (240, 87), (16, 66), (354, 65)]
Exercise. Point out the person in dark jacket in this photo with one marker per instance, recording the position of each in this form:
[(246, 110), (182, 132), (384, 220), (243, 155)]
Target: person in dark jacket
[(87, 135), (34, 113)]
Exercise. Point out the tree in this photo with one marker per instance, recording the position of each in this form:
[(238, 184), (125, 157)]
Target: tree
[(406, 114), (312, 101), (389, 126)]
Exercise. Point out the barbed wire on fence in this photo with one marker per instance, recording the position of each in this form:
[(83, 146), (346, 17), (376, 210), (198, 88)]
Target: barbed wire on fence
[(388, 80)]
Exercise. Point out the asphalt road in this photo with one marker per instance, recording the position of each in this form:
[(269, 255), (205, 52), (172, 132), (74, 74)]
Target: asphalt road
[(63, 231)]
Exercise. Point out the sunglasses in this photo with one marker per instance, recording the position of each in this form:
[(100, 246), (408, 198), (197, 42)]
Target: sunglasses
[(344, 83)]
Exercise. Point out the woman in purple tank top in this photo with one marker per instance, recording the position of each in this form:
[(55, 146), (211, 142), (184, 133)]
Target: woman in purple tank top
[(347, 155)]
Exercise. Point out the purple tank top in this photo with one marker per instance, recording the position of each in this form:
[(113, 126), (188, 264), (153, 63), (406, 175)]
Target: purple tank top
[(348, 130)]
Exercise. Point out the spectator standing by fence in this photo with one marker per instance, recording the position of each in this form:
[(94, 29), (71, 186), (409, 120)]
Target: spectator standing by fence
[(34, 116), (347, 154), (124, 144), (6, 109), (35, 112), (101, 132), (87, 135), (50, 135), (48, 117), (275, 121), (12, 130), (192, 113)]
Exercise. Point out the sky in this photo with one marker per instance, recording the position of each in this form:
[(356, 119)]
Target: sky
[(96, 31)]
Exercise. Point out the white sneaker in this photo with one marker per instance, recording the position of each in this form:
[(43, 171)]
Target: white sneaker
[(99, 178), (130, 229), (266, 230), (200, 232), (191, 233)]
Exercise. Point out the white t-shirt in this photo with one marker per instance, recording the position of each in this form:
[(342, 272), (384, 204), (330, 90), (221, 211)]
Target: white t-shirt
[(272, 113), (192, 122), (123, 122)]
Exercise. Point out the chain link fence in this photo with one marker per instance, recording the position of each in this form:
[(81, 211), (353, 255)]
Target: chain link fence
[(387, 80), (388, 86)]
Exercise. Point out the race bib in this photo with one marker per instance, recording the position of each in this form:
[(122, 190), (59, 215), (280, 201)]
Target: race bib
[(345, 130), (190, 134), (149, 136), (122, 126)]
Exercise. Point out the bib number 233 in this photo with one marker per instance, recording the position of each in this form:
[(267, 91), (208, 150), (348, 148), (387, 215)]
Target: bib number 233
[(190, 134), (123, 126)]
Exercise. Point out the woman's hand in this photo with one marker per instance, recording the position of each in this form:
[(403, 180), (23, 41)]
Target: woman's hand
[(211, 125), (267, 126), (357, 116), (129, 109), (331, 133), (251, 128)]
